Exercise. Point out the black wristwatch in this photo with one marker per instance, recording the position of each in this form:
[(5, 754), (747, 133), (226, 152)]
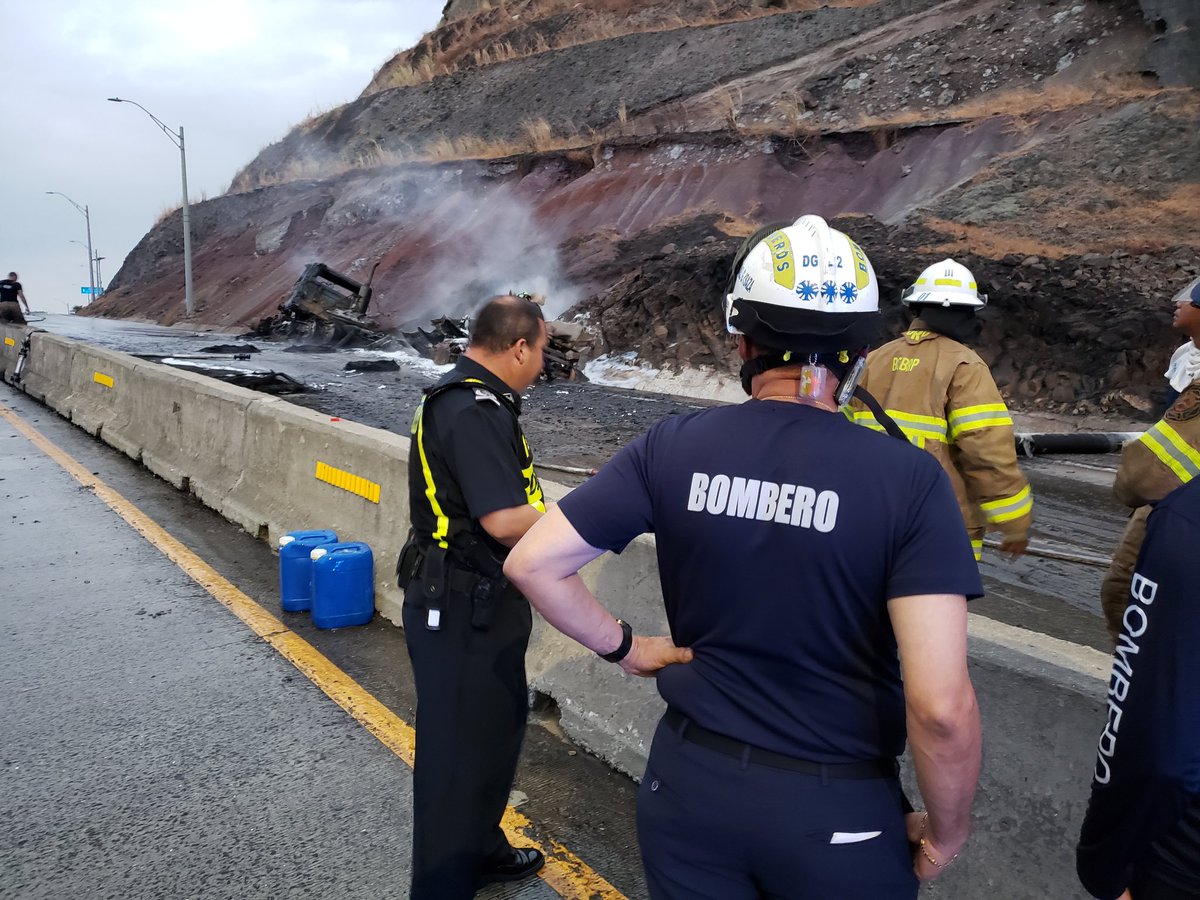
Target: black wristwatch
[(623, 648)]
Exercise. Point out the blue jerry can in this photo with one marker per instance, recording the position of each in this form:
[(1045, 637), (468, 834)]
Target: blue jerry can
[(295, 567), (343, 585)]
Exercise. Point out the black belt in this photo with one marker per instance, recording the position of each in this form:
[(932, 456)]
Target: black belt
[(727, 746), (461, 580)]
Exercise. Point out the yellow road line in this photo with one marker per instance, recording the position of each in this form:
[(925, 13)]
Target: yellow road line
[(568, 875)]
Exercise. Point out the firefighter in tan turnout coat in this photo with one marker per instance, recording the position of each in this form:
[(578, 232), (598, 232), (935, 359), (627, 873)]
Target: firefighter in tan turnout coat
[(1162, 459), (942, 395)]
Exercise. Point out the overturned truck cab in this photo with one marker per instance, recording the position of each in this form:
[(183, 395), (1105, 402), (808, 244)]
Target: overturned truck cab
[(327, 306)]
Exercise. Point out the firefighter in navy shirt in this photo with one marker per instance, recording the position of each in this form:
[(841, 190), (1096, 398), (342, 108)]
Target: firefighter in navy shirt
[(472, 494), (806, 565), (1141, 834)]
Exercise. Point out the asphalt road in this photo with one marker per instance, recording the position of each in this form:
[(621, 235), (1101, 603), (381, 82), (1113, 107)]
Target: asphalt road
[(157, 747)]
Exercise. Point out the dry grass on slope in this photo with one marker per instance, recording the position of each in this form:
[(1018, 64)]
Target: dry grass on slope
[(1021, 102), (517, 29)]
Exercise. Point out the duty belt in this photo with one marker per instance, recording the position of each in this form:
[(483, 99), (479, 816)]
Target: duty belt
[(727, 746), (447, 576)]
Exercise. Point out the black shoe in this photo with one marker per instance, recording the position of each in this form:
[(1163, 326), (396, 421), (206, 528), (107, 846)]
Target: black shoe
[(518, 863)]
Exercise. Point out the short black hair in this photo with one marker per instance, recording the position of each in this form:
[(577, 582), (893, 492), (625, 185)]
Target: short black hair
[(504, 320)]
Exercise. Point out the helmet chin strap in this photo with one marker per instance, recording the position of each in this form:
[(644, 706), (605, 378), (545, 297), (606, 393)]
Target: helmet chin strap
[(754, 367)]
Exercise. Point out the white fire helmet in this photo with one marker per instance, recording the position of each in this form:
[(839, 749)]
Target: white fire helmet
[(803, 286), (946, 283)]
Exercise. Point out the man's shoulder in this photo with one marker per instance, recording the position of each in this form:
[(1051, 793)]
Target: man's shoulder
[(1184, 502), (1186, 407)]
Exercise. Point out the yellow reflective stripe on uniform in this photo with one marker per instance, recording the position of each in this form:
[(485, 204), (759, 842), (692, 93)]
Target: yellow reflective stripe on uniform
[(1008, 508), (985, 415), (917, 429), (1173, 451), (533, 488), (977, 549), (861, 417), (443, 521)]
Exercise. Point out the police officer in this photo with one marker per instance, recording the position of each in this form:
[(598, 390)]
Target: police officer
[(806, 564), (1164, 457), (472, 494), (942, 395)]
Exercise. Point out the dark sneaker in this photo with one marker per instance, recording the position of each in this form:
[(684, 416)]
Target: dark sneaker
[(521, 862)]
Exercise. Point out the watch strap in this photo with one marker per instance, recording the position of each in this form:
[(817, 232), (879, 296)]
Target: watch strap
[(624, 647)]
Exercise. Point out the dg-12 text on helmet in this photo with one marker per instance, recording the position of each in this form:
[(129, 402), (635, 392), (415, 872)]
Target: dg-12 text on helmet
[(945, 283), (803, 287)]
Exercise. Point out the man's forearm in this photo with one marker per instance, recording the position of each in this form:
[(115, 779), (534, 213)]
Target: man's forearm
[(946, 752), (570, 607)]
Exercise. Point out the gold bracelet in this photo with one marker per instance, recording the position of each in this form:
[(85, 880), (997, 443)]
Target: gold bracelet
[(925, 853)]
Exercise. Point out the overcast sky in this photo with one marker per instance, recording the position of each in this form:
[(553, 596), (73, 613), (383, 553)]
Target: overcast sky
[(236, 74)]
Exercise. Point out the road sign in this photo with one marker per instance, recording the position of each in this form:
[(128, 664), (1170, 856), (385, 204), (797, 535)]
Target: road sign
[(89, 290)]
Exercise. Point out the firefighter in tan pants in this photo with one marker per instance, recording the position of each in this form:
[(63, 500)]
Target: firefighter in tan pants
[(942, 395), (1162, 459)]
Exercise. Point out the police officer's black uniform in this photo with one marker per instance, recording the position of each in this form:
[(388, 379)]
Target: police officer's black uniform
[(467, 628)]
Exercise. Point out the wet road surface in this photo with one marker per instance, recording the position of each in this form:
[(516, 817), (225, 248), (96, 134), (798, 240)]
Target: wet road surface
[(157, 747)]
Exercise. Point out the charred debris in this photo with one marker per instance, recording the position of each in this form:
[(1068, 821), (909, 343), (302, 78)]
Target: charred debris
[(327, 310)]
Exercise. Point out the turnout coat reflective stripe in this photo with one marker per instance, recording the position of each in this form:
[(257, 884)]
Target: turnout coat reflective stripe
[(1166, 456), (944, 398)]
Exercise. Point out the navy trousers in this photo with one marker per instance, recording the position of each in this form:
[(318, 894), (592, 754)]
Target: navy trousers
[(472, 701), (712, 826)]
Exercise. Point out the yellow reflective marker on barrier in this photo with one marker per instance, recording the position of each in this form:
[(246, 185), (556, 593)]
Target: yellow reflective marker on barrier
[(565, 873), (10, 342), (101, 378), (347, 481)]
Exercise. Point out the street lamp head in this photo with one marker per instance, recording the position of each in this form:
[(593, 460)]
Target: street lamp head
[(115, 100)]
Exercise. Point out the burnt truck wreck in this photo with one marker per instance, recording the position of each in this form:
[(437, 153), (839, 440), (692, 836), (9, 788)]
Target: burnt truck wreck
[(568, 345), (328, 307)]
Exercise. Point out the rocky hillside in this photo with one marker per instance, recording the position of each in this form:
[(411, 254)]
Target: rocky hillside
[(611, 155)]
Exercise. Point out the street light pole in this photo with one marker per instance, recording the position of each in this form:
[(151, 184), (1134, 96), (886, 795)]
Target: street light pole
[(84, 246), (88, 219), (99, 280), (177, 140)]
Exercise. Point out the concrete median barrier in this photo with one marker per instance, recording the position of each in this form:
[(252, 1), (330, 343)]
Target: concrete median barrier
[(47, 374), (273, 467), (10, 345)]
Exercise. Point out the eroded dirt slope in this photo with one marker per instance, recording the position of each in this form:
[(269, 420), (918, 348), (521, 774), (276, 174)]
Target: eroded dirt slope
[(1046, 144)]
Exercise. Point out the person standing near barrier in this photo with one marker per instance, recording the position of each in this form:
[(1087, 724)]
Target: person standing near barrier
[(942, 395), (1141, 834), (1164, 457), (796, 553), (10, 293), (472, 494)]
